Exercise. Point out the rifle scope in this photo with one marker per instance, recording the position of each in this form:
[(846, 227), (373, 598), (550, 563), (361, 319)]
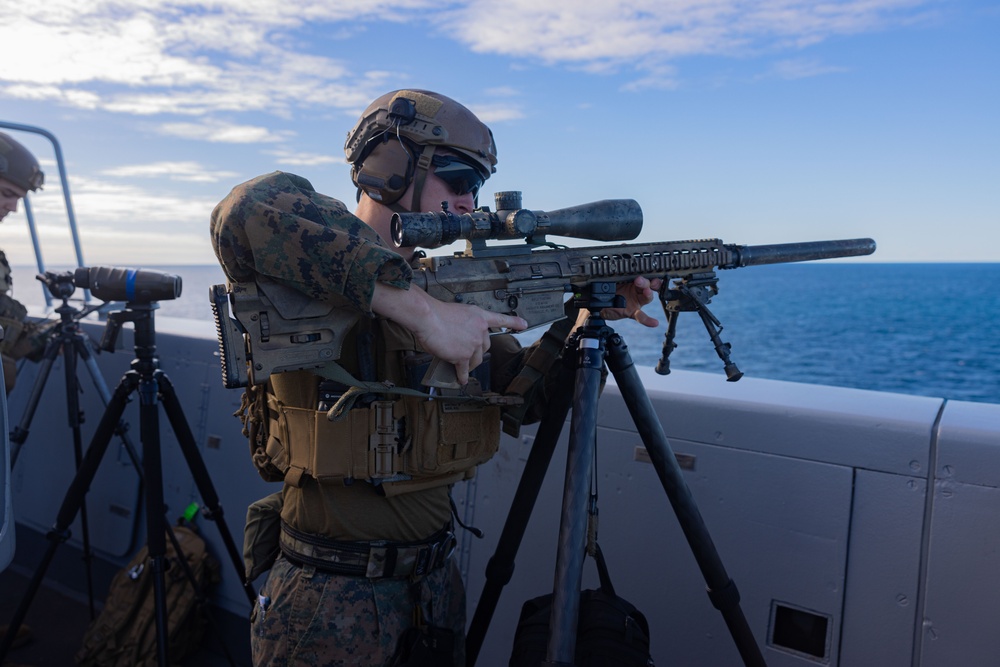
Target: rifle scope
[(133, 285), (605, 220)]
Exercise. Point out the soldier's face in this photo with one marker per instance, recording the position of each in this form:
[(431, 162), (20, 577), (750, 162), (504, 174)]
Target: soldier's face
[(436, 191), (9, 194)]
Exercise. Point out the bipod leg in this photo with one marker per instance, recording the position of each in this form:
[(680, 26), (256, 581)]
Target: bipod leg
[(721, 589), (202, 479), (72, 502), (571, 548), (500, 567)]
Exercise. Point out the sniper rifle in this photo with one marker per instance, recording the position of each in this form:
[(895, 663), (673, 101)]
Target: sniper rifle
[(276, 328)]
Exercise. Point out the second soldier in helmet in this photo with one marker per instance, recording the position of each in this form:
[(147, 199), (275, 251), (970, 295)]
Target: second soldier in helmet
[(19, 174), (364, 543)]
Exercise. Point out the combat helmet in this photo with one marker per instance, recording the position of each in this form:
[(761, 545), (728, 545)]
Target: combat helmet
[(394, 143), (18, 165)]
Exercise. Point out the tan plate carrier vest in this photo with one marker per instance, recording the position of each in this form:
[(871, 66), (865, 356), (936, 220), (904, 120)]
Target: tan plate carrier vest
[(403, 443)]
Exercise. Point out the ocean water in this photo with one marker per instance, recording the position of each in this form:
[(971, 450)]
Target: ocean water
[(923, 329)]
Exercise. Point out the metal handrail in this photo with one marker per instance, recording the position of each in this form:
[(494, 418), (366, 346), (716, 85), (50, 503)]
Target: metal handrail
[(66, 196)]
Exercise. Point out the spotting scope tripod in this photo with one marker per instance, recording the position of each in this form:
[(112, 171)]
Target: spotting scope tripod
[(66, 338), (583, 360), (152, 386)]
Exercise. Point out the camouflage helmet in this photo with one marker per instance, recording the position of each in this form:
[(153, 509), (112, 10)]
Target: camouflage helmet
[(18, 165), (394, 142)]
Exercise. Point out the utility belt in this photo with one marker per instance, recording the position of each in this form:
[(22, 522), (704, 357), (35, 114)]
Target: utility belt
[(374, 560)]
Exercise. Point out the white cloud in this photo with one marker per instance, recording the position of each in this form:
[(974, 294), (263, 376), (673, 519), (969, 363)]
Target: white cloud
[(644, 34), (119, 223), (657, 77), (198, 57), (101, 202), (299, 159), (187, 171), (219, 132), (183, 56), (495, 113), (801, 68), (503, 91), (80, 99)]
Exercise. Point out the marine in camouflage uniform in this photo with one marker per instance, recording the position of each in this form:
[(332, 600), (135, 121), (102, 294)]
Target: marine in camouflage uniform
[(276, 225), (361, 564), (12, 316), (19, 174)]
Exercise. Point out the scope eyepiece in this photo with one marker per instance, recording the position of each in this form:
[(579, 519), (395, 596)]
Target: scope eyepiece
[(131, 285)]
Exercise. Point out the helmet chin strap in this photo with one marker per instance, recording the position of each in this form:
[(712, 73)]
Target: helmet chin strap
[(420, 176), (420, 172)]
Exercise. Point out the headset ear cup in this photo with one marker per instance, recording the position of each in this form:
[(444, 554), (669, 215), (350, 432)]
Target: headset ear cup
[(385, 174)]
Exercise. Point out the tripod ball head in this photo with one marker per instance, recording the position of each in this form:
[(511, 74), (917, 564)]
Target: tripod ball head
[(132, 285), (60, 284)]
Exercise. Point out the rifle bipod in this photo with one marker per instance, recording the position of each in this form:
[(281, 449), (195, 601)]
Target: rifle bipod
[(582, 362), (689, 294)]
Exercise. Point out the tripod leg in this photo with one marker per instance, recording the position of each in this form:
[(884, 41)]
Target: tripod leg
[(156, 540), (56, 344), (721, 589), (20, 434), (501, 565), (202, 479), (73, 412), (573, 523), (83, 349), (72, 502)]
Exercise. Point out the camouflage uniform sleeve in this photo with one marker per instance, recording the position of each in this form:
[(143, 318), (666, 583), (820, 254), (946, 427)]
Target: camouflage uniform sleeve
[(278, 226)]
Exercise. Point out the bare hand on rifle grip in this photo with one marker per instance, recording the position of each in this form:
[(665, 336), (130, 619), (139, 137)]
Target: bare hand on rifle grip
[(638, 293), (456, 333)]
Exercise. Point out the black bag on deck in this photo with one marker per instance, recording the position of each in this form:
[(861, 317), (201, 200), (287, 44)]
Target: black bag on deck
[(610, 630), (124, 634)]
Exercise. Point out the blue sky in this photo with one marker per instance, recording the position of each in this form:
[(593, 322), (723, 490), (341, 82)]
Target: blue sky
[(755, 122)]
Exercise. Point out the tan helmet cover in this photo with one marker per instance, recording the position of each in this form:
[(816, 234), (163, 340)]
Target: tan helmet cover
[(18, 165), (383, 147)]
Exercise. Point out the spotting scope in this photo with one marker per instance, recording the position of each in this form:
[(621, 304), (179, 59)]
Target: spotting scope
[(133, 285)]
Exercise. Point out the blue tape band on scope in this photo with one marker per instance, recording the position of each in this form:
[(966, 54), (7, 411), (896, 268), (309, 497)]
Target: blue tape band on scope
[(130, 284)]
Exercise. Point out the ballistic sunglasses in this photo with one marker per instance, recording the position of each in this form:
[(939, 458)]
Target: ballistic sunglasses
[(461, 176)]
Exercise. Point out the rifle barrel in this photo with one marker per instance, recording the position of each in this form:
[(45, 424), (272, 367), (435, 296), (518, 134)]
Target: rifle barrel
[(753, 255)]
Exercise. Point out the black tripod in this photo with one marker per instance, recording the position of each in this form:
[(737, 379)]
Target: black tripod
[(152, 385), (585, 355), (67, 338)]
